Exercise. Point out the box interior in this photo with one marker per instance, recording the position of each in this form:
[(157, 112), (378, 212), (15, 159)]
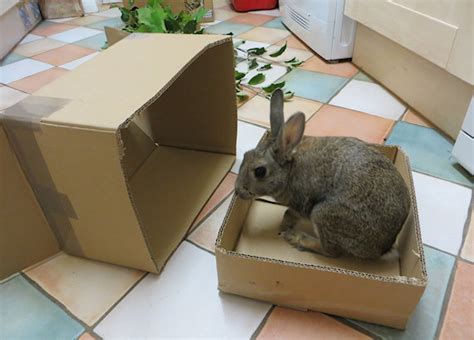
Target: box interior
[(185, 161), (252, 229)]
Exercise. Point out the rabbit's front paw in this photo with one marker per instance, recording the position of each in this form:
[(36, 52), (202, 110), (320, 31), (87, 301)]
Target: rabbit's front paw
[(293, 237)]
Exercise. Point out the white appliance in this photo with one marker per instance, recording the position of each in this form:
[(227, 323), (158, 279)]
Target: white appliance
[(322, 25), (463, 150)]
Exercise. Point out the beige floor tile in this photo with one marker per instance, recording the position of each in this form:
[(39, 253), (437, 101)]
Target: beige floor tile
[(87, 288), (263, 34), (257, 109)]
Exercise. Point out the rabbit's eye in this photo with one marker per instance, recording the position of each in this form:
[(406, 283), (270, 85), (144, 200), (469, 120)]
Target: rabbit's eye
[(260, 172)]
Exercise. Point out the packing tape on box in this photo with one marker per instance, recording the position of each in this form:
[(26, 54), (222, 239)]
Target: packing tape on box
[(22, 125)]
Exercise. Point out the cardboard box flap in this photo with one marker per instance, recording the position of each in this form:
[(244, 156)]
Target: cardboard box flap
[(116, 83)]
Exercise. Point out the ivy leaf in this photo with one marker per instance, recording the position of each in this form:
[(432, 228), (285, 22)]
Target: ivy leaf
[(272, 87), (265, 67), (253, 64), (172, 25), (239, 75), (296, 63), (292, 60), (241, 96), (201, 31), (288, 95), (279, 52), (256, 50), (190, 27), (289, 68), (257, 79), (152, 19), (200, 14)]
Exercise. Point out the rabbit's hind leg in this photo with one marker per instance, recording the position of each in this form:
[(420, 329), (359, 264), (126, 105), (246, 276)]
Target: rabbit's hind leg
[(290, 219), (303, 241)]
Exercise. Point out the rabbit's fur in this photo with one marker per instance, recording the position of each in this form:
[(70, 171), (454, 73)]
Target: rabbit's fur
[(354, 196)]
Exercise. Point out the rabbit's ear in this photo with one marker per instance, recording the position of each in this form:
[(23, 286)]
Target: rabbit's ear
[(276, 113), (292, 133)]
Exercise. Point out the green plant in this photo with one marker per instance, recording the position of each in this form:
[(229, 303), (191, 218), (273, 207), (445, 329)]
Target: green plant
[(251, 58), (156, 18)]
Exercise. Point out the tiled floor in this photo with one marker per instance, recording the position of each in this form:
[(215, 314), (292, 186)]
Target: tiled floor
[(68, 297)]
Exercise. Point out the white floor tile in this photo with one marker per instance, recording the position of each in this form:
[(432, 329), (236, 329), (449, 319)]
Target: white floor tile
[(110, 13), (21, 69), (273, 12), (183, 302), (443, 208), (75, 63), (75, 34), (30, 37), (243, 46), (248, 136), (59, 20), (9, 97), (289, 53), (271, 75), (369, 98)]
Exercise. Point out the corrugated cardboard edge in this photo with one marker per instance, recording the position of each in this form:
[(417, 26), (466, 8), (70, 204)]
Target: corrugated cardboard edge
[(393, 279), (125, 124)]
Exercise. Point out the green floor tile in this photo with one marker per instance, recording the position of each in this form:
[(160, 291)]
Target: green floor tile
[(96, 42), (424, 321), (115, 22), (362, 76), (11, 58), (275, 23), (429, 152), (25, 313), (313, 85)]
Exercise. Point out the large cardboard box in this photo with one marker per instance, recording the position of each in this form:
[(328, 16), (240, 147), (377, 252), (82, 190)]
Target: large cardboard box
[(25, 237), (124, 151), (253, 261), (181, 5), (17, 18)]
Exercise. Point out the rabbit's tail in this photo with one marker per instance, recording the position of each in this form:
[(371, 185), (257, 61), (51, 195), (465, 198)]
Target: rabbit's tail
[(390, 255)]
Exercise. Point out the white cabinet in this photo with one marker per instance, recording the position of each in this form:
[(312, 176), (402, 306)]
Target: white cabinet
[(439, 31), (464, 148)]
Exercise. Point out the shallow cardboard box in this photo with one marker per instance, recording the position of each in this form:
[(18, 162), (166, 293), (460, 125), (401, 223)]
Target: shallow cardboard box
[(17, 18), (124, 151), (253, 261), (25, 237), (181, 5)]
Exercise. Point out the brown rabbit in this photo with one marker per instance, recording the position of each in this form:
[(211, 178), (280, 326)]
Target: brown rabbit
[(355, 198)]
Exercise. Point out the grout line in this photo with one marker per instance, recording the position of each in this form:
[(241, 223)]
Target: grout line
[(200, 247), (440, 250), (467, 226), (355, 326), (58, 303), (442, 179), (446, 299), (193, 228), (449, 288), (262, 323), (145, 274), (40, 263)]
